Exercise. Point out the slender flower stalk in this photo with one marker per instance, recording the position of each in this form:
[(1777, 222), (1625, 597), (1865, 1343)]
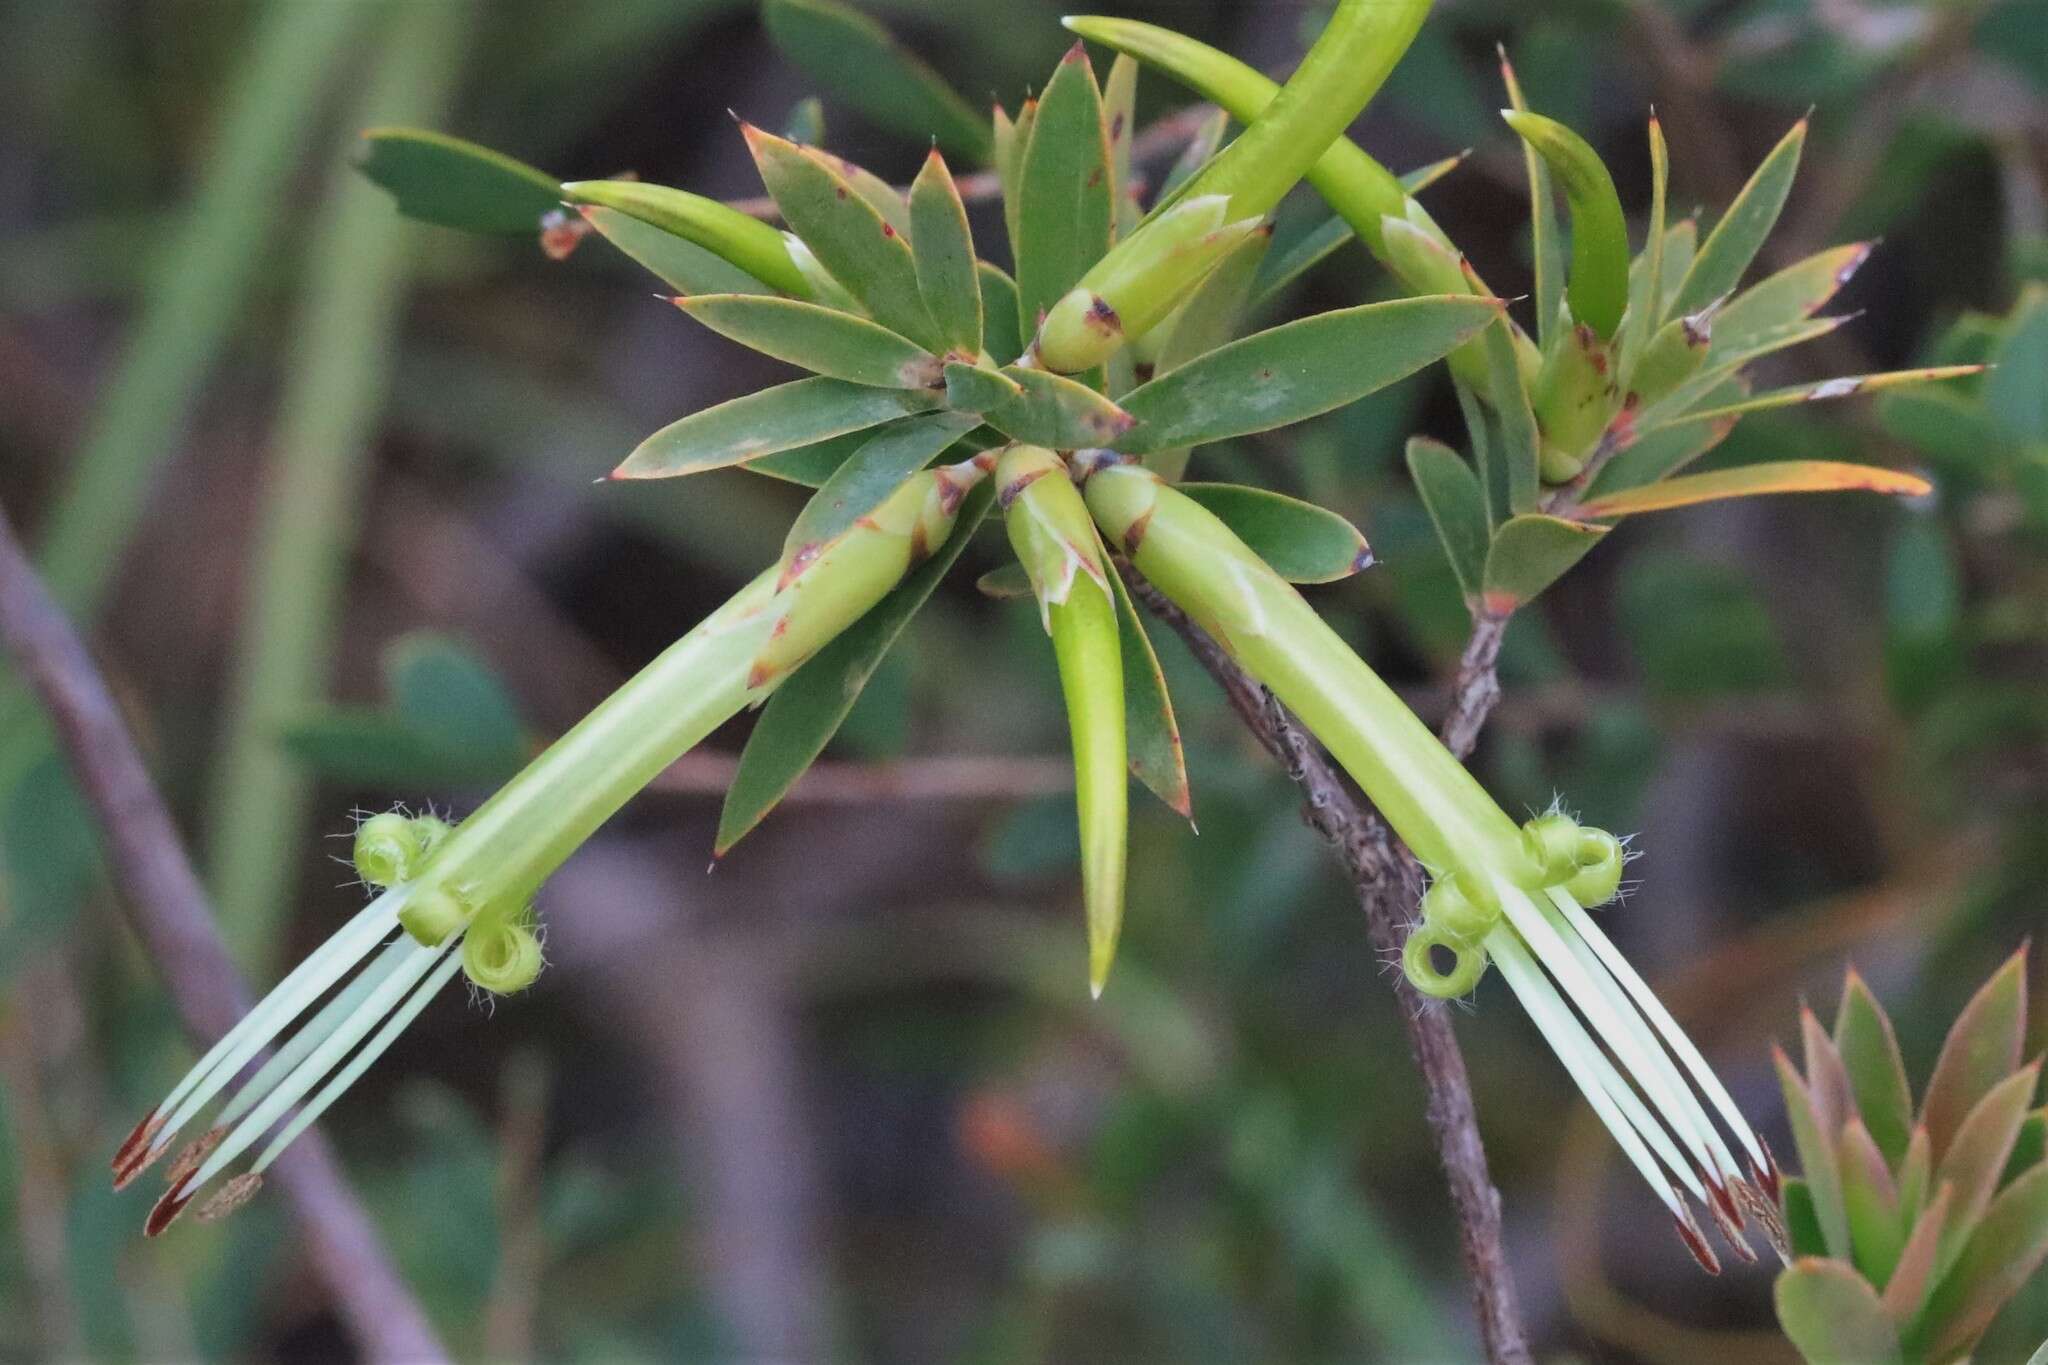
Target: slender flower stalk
[(1511, 895), (460, 898)]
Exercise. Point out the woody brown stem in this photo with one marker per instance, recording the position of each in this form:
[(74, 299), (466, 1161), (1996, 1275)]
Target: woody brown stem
[(1388, 883)]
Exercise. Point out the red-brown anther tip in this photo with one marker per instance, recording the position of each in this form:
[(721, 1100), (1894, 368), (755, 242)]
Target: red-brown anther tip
[(195, 1152), (1697, 1245), (167, 1210), (1767, 1177), (230, 1197), (133, 1148)]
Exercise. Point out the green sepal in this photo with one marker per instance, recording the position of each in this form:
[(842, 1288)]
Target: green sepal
[(1870, 1199), (2003, 1253), (677, 261), (850, 237), (1302, 542), (765, 422), (440, 179), (1646, 272), (1977, 1155), (1000, 336), (748, 243), (1456, 504), (943, 248), (1673, 355), (822, 340), (811, 704), (856, 59), (1528, 553), (1817, 1160), (1575, 397), (1598, 287), (1802, 1223), (1298, 369), (1833, 1316), (1725, 256)]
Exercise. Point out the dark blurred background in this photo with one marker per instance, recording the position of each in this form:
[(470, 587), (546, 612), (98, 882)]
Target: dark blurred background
[(320, 483)]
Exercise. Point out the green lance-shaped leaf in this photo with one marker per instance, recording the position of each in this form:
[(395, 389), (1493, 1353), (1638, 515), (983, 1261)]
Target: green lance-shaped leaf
[(823, 287), (1681, 242), (1870, 1197), (809, 466), (2003, 1253), (1530, 552), (1646, 273), (1153, 732), (1298, 369), (1575, 397), (1119, 116), (855, 59), (860, 248), (2030, 1148), (1345, 67), (1877, 1074), (944, 250), (1982, 1049), (1302, 542), (1064, 219), (1914, 1272), (1545, 242), (766, 422), (871, 475), (1358, 188), (1753, 480), (1795, 293), (1000, 336), (973, 388), (815, 585), (725, 232), (882, 196), (440, 179), (1012, 137), (821, 340), (1817, 1160), (1055, 411), (1598, 287), (1733, 244), (1521, 444), (677, 261), (1673, 355), (1916, 1172), (1457, 508), (1976, 1155), (1645, 458), (814, 701), (1428, 797), (1833, 1316), (1055, 541)]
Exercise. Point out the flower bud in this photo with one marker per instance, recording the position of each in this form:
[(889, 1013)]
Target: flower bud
[(1574, 398), (1418, 963)]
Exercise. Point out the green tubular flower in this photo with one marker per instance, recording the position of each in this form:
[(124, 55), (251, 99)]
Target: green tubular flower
[(1342, 71), (1356, 187), (1055, 541), (1510, 886), (461, 899)]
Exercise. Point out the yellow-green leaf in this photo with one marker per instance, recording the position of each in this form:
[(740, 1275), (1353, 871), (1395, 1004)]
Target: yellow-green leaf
[(677, 261), (766, 422), (1733, 244), (1528, 554), (440, 179), (855, 58), (1753, 480), (1456, 505), (943, 248), (1300, 541), (821, 340), (1065, 214), (1598, 287), (748, 243), (1057, 412)]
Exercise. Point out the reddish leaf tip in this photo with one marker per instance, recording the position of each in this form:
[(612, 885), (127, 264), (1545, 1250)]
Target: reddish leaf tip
[(1077, 53)]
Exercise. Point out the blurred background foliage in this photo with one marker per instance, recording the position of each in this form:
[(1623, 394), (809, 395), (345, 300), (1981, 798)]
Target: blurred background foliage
[(320, 481)]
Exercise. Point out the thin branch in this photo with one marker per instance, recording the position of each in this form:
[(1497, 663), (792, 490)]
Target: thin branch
[(1388, 882), (168, 910)]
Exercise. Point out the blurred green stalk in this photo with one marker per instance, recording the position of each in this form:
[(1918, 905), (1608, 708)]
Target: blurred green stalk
[(357, 270), (194, 296)]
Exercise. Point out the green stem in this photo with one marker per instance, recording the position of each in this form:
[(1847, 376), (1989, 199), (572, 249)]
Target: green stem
[(356, 281)]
